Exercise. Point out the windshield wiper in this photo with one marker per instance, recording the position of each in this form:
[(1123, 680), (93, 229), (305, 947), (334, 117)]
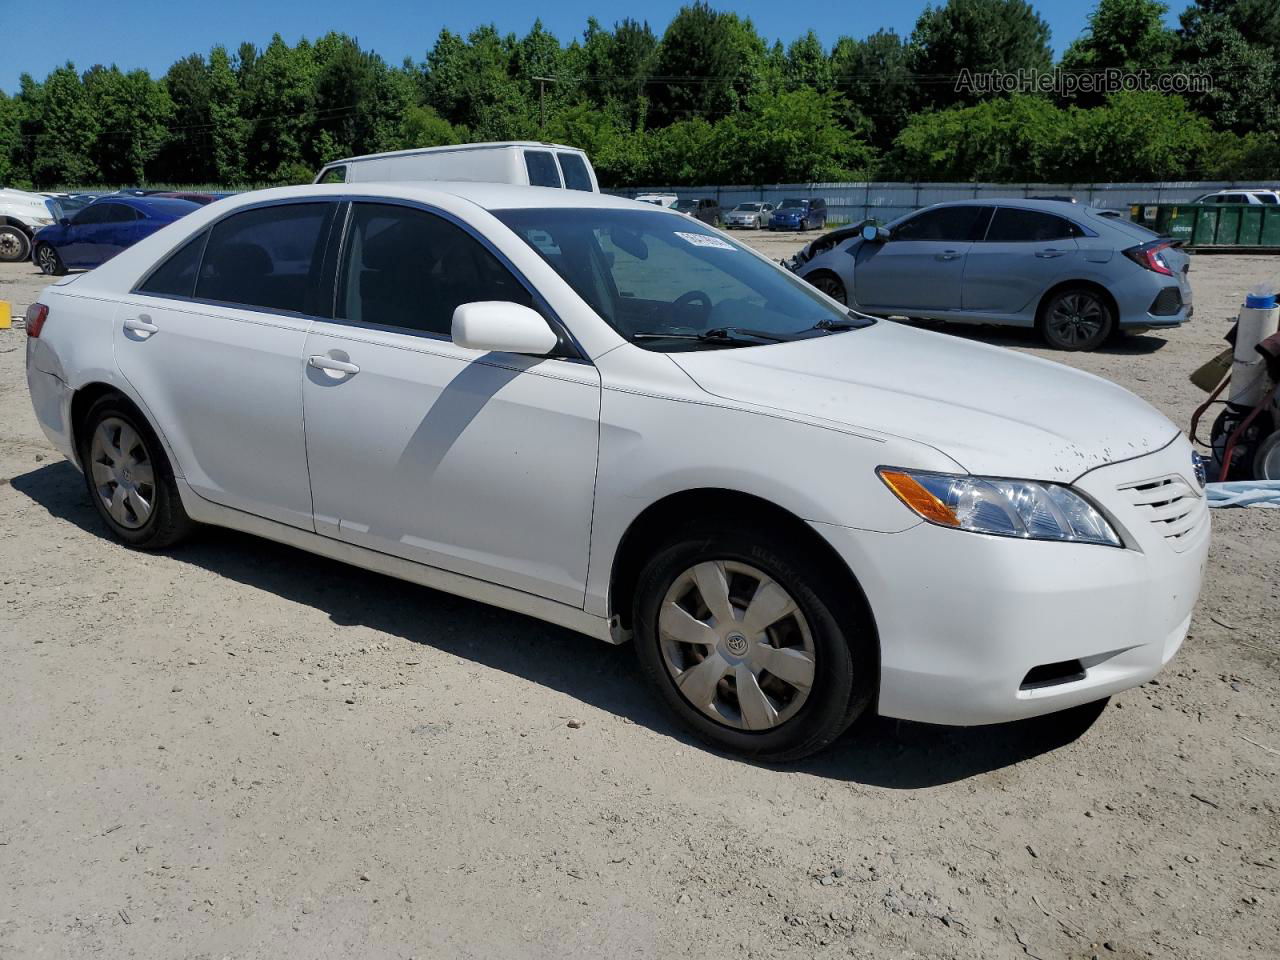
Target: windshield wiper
[(717, 335), (852, 323)]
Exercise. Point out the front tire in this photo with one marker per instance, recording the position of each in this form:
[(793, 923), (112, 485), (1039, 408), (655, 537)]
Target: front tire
[(831, 285), (49, 262), (129, 478), (1076, 318), (14, 244), (751, 642)]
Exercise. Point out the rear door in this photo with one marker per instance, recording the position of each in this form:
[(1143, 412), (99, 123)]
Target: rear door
[(921, 266), (1023, 254), (213, 341)]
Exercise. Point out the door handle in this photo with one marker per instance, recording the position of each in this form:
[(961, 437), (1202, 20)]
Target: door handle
[(141, 324), (1049, 253), (328, 363), (949, 255)]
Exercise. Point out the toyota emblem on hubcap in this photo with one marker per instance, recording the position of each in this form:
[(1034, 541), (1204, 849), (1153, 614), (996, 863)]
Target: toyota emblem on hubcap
[(736, 643)]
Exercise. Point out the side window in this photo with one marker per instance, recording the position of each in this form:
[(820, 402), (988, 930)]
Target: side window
[(954, 224), (1012, 225), (542, 168), (267, 257), (176, 277), (94, 213), (575, 172), (336, 174), (1265, 197), (407, 268)]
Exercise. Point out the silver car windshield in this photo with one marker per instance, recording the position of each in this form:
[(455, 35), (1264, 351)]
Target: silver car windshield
[(668, 283), (748, 207)]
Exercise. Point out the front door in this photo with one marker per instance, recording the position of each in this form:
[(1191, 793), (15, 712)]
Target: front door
[(219, 356), (478, 463), (921, 266)]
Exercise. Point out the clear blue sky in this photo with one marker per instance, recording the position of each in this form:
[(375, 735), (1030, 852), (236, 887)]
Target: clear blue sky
[(37, 36)]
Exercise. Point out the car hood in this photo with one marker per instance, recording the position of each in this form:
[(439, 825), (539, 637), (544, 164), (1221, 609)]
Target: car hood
[(991, 410)]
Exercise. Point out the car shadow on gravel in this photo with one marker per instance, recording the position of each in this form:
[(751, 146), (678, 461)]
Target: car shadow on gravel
[(877, 751), (1129, 344)]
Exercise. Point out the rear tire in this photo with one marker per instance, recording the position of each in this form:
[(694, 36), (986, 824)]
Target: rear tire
[(15, 246), (49, 262), (128, 476), (724, 678), (1076, 318)]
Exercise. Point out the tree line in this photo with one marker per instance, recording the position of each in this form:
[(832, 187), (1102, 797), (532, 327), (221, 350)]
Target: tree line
[(706, 101)]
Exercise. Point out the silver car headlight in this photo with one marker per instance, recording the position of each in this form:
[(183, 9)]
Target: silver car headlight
[(1004, 508)]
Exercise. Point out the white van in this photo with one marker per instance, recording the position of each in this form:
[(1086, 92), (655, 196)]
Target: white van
[(527, 163)]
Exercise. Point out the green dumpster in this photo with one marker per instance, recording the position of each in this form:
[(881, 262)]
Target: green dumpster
[(1212, 225)]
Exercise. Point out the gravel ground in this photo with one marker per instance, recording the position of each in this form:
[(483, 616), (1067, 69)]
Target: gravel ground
[(240, 750)]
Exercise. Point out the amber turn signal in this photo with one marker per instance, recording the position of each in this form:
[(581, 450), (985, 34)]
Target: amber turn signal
[(909, 490)]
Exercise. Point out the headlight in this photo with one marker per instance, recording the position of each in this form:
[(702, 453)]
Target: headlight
[(1003, 508), (42, 221)]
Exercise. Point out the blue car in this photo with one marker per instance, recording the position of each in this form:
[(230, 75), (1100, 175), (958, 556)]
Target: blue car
[(98, 232), (796, 214)]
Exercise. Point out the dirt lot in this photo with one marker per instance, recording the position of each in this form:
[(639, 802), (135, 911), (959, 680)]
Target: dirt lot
[(240, 750)]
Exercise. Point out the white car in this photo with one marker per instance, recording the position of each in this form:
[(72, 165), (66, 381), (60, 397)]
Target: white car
[(21, 215), (1251, 197), (615, 419)]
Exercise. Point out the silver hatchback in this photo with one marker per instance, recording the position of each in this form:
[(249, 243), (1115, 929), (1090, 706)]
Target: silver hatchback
[(1068, 271)]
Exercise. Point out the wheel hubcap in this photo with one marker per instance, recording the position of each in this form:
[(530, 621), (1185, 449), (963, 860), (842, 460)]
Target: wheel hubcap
[(736, 645), (122, 473), (47, 259), (1077, 318), (9, 246)]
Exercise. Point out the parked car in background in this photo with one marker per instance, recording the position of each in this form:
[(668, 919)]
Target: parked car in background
[(705, 209), (618, 420), (21, 215), (67, 204), (198, 198), (1252, 197), (1069, 271), (799, 214), (750, 216), (659, 199), (102, 229), (524, 162)]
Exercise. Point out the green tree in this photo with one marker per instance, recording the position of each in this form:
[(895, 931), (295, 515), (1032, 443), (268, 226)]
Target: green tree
[(705, 65), (278, 103), (227, 131), (64, 130), (10, 140), (133, 114), (979, 36), (1127, 35), (790, 137), (186, 157), (1245, 92), (807, 64), (875, 77)]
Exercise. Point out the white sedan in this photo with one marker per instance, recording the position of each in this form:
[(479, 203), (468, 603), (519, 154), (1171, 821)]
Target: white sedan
[(617, 419)]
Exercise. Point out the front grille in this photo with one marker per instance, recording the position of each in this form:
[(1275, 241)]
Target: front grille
[(1170, 505), (1167, 302)]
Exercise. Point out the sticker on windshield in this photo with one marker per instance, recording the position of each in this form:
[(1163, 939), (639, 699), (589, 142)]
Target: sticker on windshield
[(703, 240)]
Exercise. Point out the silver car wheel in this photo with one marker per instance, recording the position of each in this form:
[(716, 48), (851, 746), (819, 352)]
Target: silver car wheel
[(13, 245), (122, 473), (1077, 318), (736, 645), (47, 259)]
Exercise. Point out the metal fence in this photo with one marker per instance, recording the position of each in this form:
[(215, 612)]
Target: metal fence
[(851, 202)]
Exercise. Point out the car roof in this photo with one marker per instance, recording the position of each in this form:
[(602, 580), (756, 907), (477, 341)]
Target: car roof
[(1059, 207), (487, 196), (453, 148), (164, 206)]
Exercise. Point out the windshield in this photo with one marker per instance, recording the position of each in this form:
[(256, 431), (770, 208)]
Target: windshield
[(748, 207), (650, 275), (794, 204)]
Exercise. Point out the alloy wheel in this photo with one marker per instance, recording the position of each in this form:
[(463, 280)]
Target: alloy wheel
[(736, 645), (47, 259), (123, 473), (1077, 318)]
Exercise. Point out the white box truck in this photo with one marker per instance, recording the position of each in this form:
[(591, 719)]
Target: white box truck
[(527, 163)]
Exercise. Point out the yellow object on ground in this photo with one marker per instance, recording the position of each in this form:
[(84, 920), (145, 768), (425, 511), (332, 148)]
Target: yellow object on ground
[(6, 316)]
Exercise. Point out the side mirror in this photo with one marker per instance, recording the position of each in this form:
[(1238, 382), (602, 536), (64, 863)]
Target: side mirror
[(874, 234), (65, 221), (500, 326)]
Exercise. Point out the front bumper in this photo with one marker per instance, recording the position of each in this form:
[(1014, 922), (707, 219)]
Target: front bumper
[(964, 618)]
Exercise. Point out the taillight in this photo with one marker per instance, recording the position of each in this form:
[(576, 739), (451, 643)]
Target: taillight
[(36, 315), (1151, 256)]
